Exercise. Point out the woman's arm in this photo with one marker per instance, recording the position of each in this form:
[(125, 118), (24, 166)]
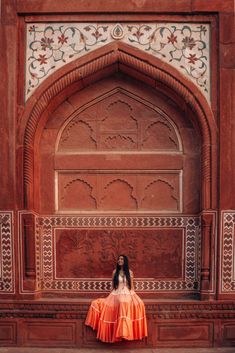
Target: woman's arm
[(132, 280), (113, 273)]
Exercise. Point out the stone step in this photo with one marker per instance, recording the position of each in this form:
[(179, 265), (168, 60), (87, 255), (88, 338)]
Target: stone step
[(87, 350)]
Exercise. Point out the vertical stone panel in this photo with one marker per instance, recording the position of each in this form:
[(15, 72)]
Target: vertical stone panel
[(7, 268), (8, 94), (227, 139), (227, 246)]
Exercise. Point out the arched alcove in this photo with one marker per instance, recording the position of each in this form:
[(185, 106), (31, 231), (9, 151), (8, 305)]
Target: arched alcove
[(119, 146), (99, 64), (146, 147)]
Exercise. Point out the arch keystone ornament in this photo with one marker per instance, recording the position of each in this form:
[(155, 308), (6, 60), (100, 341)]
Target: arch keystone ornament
[(117, 32)]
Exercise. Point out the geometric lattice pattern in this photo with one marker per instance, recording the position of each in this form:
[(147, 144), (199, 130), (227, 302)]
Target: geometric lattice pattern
[(46, 226), (228, 253), (185, 46), (6, 252)]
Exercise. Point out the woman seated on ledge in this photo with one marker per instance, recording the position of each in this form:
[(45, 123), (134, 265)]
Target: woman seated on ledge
[(122, 314)]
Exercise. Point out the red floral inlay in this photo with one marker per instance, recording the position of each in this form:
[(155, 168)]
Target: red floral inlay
[(192, 58), (188, 42), (42, 59), (97, 34), (62, 39), (172, 39), (138, 34), (46, 43), (83, 38), (32, 28)]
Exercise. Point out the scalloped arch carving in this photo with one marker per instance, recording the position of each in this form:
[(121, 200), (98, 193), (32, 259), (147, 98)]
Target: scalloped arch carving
[(145, 67), (71, 135), (156, 188), (114, 125), (112, 192), (82, 196)]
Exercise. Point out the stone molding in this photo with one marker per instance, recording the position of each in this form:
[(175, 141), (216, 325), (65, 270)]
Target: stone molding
[(161, 311)]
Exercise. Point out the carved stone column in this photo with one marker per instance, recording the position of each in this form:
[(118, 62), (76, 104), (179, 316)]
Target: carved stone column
[(28, 250), (207, 257)]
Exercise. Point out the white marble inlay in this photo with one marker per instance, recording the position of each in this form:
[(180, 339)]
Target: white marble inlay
[(185, 46)]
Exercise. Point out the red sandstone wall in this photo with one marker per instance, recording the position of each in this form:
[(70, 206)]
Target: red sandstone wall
[(172, 324), (13, 18), (12, 108)]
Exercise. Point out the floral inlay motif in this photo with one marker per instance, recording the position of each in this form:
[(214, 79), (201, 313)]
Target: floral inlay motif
[(52, 45)]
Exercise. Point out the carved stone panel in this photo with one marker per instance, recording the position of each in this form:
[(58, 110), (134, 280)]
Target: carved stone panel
[(79, 253), (119, 122), (228, 253), (79, 135), (118, 146), (7, 275), (133, 191), (84, 253)]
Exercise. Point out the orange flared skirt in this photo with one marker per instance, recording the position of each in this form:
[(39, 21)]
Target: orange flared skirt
[(119, 316)]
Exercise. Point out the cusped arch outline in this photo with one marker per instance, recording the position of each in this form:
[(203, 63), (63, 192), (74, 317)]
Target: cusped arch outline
[(100, 63), (83, 108)]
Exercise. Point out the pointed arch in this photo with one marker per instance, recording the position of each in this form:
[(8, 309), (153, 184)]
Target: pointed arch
[(100, 63)]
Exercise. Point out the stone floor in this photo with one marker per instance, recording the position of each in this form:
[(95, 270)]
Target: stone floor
[(163, 350)]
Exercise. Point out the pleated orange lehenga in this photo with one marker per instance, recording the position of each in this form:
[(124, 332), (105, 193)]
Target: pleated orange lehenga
[(119, 316)]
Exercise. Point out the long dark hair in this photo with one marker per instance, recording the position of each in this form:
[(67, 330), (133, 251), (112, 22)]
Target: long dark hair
[(125, 270)]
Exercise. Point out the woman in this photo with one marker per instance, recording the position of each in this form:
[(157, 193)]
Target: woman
[(122, 314)]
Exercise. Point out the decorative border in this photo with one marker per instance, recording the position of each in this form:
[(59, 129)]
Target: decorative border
[(185, 46), (7, 253), (45, 227), (228, 252)]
